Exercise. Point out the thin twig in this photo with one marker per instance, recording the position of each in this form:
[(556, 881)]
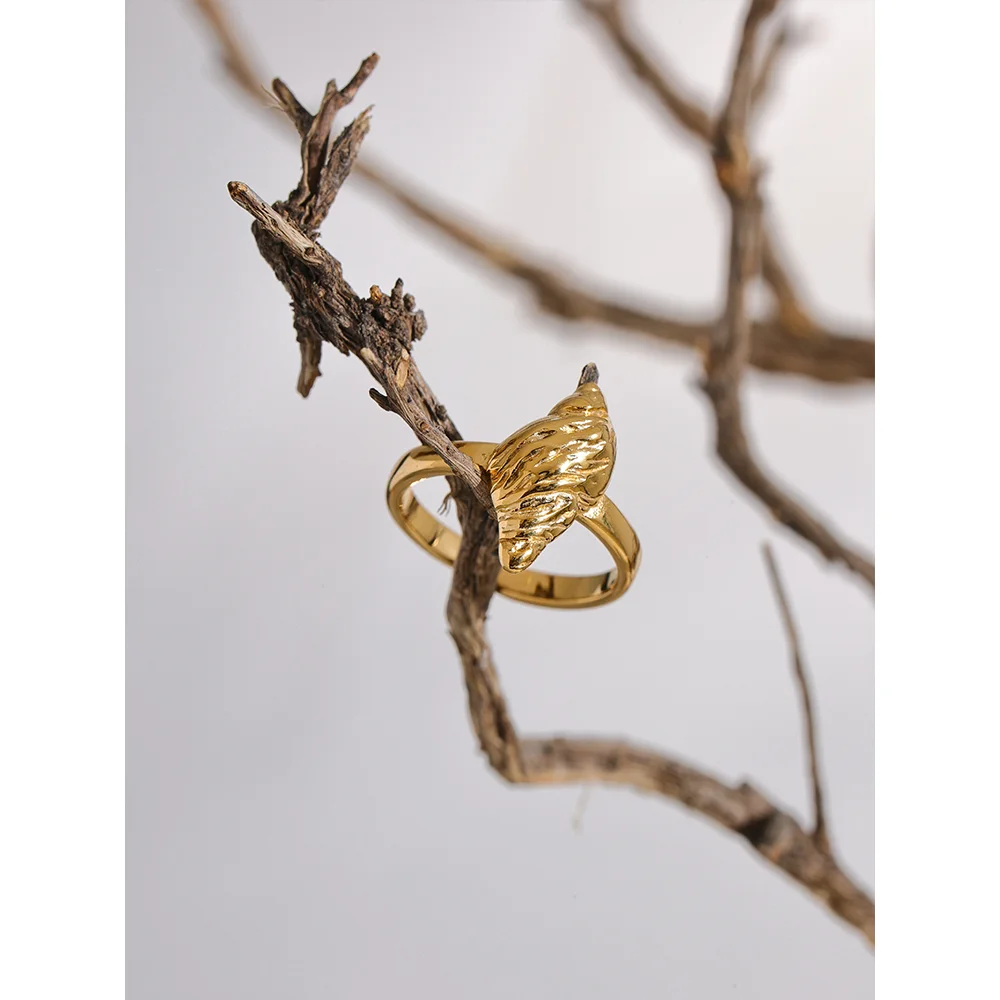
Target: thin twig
[(787, 37), (234, 53), (688, 112), (819, 834), (734, 450), (792, 318), (696, 121), (735, 113), (738, 178)]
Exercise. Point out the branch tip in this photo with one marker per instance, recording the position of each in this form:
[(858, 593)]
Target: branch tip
[(820, 835)]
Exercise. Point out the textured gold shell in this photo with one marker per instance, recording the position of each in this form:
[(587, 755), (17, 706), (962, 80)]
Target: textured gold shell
[(549, 471)]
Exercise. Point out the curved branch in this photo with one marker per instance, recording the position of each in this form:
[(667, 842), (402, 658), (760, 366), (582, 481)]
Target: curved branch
[(741, 809), (729, 347)]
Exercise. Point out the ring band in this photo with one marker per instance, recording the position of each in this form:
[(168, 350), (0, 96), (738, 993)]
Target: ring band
[(602, 518)]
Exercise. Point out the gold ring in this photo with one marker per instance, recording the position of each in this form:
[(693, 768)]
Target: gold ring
[(542, 478)]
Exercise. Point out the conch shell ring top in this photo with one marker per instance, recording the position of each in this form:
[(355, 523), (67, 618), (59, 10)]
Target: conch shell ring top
[(550, 473)]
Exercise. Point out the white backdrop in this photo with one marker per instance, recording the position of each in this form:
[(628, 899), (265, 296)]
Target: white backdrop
[(308, 812)]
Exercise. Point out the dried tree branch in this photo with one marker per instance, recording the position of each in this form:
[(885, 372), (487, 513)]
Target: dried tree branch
[(688, 112), (234, 54), (820, 834), (559, 760), (380, 330), (751, 251), (787, 37), (792, 319), (741, 809), (778, 344), (729, 346), (698, 123), (557, 295)]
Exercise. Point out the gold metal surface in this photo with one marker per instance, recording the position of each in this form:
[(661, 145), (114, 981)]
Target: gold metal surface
[(543, 478), (547, 473)]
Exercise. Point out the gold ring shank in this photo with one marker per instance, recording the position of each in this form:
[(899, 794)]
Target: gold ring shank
[(604, 520)]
